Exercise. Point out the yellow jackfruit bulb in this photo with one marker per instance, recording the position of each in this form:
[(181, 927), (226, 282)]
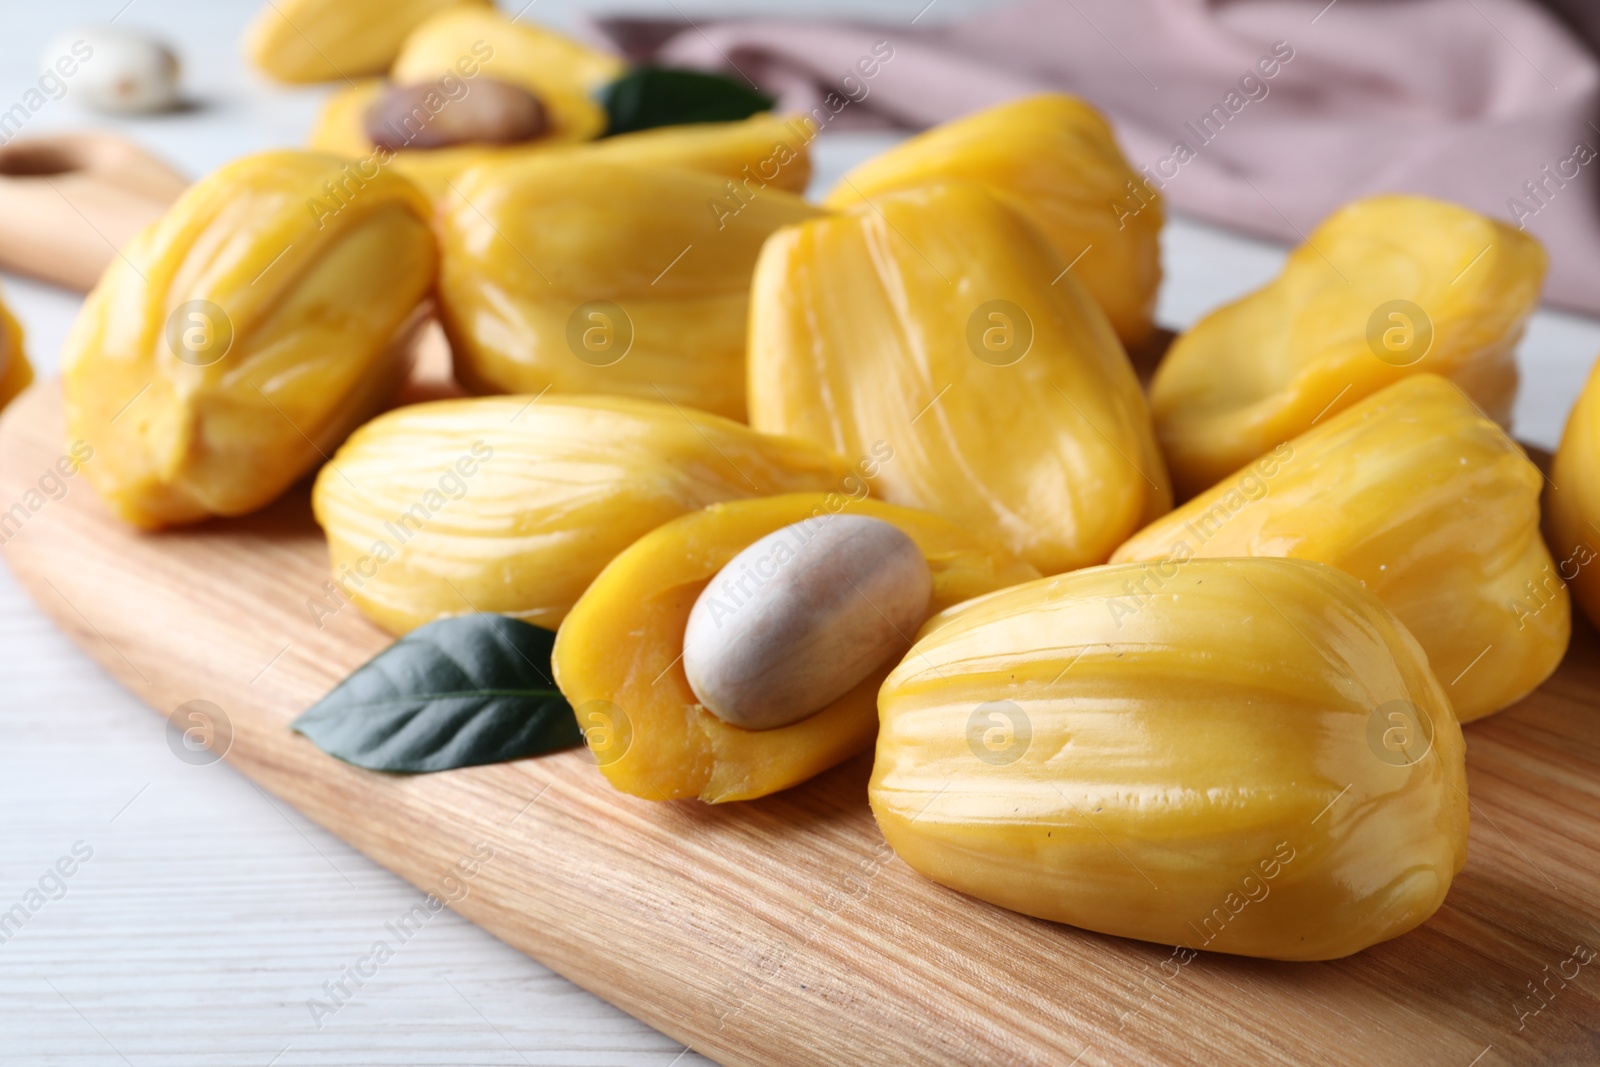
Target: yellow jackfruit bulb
[(598, 277), (332, 40), (1572, 509), (459, 49), (1430, 505), (16, 373), (1386, 287), (561, 72), (510, 49), (933, 324), (751, 154), (239, 339), (513, 504), (1254, 758), (1055, 158), (341, 129), (619, 656)]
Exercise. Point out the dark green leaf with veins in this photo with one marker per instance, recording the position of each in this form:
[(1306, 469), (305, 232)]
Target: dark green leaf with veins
[(457, 692)]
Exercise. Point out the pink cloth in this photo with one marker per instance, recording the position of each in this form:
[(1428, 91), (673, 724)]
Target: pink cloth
[(1468, 100)]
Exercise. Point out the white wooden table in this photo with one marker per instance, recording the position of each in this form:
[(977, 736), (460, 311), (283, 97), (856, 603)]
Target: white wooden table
[(209, 914)]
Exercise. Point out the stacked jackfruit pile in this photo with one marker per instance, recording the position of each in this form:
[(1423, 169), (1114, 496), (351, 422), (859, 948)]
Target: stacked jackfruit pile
[(1237, 721)]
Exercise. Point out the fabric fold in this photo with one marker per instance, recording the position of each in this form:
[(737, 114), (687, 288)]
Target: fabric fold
[(1264, 115)]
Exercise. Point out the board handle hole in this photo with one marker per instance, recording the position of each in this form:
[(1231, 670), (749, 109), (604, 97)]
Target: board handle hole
[(40, 159)]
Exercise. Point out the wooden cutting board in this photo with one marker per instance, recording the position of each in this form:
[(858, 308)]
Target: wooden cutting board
[(783, 931), (68, 201)]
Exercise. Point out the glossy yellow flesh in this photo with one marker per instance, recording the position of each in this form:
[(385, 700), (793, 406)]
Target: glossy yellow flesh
[(1173, 751), (1572, 508), (1430, 505), (623, 643), (1055, 158), (564, 74), (314, 303), (341, 130), (523, 253), (1265, 368), (16, 373), (762, 152), (471, 43), (331, 40), (860, 332), (725, 149), (548, 493)]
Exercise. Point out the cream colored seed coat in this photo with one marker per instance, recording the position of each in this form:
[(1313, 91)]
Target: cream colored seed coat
[(118, 71), (801, 616)]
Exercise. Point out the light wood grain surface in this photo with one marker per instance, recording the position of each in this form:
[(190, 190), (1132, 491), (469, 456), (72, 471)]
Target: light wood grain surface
[(69, 201), (211, 911), (782, 931)]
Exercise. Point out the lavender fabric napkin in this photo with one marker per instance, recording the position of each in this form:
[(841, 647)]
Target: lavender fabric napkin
[(1264, 115)]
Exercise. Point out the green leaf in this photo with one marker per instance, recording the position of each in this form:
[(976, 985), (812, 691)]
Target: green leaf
[(647, 97), (457, 692)]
